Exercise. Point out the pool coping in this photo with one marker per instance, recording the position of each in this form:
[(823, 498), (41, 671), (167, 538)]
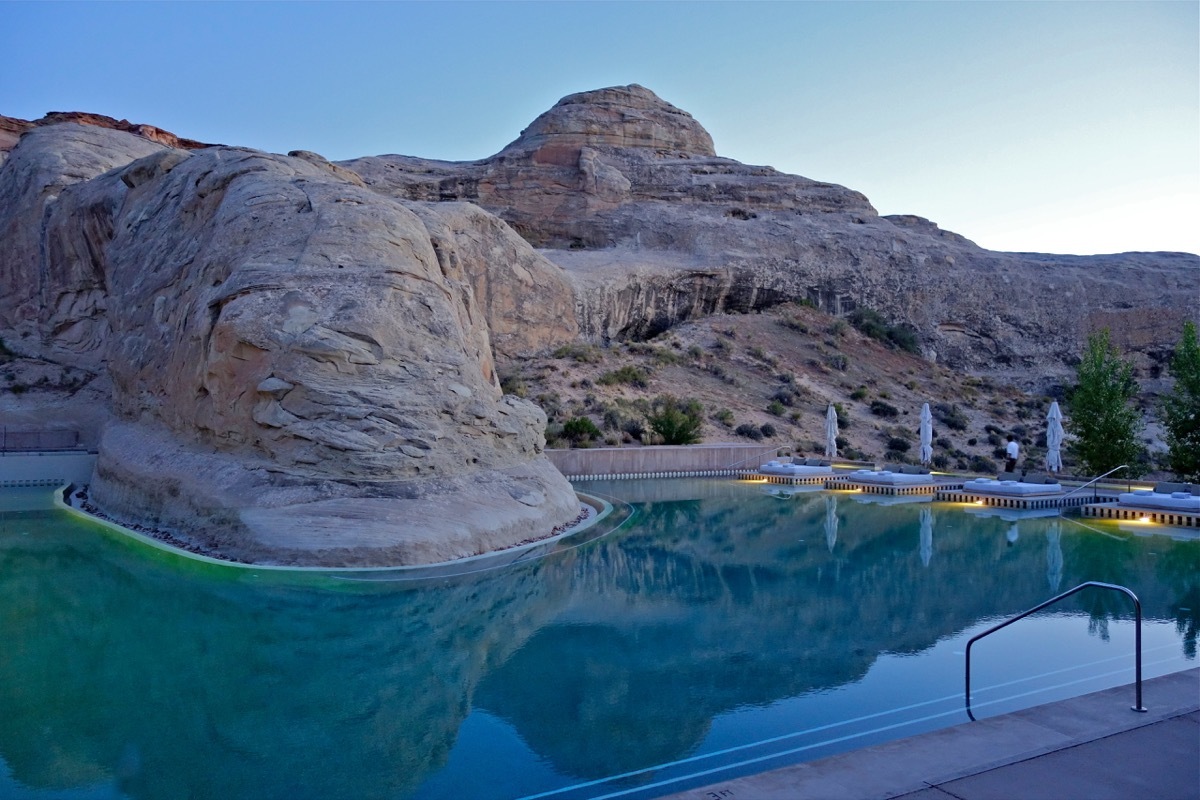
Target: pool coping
[(1009, 746)]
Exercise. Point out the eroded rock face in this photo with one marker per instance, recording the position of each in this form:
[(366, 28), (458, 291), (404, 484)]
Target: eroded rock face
[(625, 192), (281, 341)]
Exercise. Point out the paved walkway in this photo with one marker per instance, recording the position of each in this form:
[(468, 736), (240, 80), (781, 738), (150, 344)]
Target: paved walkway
[(1087, 748)]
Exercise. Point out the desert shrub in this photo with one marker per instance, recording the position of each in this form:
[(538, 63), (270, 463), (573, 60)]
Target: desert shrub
[(896, 456), (794, 324), (634, 427), (514, 385), (872, 324), (881, 409), (843, 418), (838, 361), (580, 353), (904, 337), (941, 461), (982, 464), (897, 444), (776, 408), (676, 421), (859, 394), (725, 417), (5, 354), (749, 431), (838, 327), (694, 352), (842, 444), (767, 429), (580, 429), (721, 346), (951, 416), (785, 396), (972, 442), (630, 375)]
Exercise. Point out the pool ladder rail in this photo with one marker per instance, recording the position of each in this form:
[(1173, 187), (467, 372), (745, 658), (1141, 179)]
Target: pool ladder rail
[(1137, 608)]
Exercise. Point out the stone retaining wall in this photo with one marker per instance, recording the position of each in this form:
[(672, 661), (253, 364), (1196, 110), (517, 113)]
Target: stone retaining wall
[(46, 469), (660, 461)]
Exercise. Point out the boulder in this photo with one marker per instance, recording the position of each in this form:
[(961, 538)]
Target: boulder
[(292, 356)]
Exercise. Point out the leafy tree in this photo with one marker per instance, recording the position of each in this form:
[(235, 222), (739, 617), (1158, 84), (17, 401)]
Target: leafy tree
[(1181, 408), (676, 421), (1104, 421)]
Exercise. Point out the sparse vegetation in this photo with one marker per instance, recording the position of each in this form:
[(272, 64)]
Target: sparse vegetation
[(749, 431), (580, 431), (676, 421), (950, 415), (580, 353), (628, 374), (872, 324), (881, 409)]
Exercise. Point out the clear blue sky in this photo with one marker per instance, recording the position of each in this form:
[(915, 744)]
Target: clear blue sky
[(1047, 126)]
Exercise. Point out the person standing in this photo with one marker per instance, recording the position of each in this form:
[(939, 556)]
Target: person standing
[(1012, 451)]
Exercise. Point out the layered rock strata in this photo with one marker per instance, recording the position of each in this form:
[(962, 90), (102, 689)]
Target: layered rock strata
[(301, 368), (625, 192)]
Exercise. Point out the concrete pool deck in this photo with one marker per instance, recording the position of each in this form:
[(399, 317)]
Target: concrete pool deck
[(1087, 748)]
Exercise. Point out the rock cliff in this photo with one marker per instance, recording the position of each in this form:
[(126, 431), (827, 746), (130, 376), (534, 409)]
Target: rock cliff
[(625, 192), (285, 344), (302, 369)]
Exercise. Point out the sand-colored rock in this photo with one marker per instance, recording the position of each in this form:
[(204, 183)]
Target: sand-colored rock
[(281, 339), (624, 191)]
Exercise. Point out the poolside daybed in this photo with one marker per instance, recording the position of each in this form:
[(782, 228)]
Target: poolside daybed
[(798, 467), (1031, 485), (1165, 496), (903, 475)]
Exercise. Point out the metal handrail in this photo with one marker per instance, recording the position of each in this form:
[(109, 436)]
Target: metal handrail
[(1095, 496), (1137, 607)]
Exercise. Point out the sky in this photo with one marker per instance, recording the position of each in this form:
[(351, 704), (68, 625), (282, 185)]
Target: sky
[(1060, 127)]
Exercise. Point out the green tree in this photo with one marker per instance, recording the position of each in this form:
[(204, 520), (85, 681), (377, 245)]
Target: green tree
[(676, 421), (1181, 408), (1103, 419)]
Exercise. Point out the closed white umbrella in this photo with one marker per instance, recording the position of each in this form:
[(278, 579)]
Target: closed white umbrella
[(831, 432), (926, 434), (926, 535), (1054, 438), (831, 521)]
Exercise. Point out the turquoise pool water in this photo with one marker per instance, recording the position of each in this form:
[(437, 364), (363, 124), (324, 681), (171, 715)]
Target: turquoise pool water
[(718, 630)]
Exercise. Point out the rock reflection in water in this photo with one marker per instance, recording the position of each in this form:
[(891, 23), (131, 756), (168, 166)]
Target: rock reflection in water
[(169, 679)]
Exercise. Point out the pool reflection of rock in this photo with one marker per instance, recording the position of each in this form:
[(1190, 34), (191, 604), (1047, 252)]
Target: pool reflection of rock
[(149, 676), (616, 655)]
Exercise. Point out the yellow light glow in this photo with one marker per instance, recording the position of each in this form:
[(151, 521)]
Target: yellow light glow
[(1144, 519)]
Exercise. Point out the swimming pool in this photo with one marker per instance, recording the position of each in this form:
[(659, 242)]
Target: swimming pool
[(721, 629)]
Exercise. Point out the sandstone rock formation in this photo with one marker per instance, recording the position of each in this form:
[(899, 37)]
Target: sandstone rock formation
[(625, 192), (286, 344), (301, 368)]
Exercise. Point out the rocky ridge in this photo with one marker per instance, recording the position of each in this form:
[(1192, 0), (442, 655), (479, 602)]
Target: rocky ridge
[(285, 344), (625, 193)]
